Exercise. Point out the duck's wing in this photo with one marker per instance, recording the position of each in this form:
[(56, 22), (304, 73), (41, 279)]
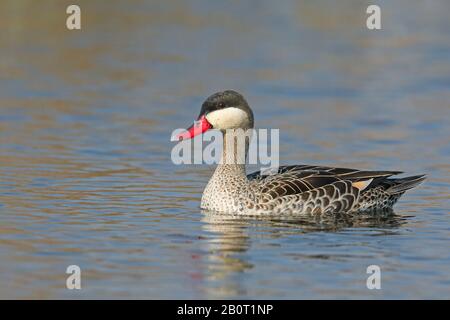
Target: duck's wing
[(290, 180), (328, 189), (343, 173)]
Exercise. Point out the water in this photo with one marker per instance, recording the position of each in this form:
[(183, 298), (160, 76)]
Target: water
[(86, 176)]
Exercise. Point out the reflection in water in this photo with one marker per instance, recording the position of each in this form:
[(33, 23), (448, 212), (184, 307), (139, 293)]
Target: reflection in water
[(231, 239), (224, 223), (226, 253)]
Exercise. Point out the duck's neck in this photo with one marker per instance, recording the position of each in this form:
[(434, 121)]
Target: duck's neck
[(229, 178), (235, 149)]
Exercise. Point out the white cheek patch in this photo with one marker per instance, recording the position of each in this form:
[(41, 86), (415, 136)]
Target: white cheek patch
[(229, 118)]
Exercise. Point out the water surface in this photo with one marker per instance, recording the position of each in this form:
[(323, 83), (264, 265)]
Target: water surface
[(85, 170)]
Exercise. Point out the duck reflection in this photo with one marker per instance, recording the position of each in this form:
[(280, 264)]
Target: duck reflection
[(227, 247), (227, 254)]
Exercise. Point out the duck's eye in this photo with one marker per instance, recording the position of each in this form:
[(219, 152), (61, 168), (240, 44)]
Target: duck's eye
[(221, 105)]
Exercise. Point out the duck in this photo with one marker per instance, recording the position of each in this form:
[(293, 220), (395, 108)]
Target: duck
[(291, 189)]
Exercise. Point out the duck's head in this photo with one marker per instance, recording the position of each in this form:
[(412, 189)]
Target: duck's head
[(222, 111)]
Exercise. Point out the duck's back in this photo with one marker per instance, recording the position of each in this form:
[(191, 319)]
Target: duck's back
[(319, 189)]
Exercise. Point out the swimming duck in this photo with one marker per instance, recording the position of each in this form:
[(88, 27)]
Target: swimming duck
[(290, 190)]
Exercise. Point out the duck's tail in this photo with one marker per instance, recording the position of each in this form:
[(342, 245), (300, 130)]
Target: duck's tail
[(403, 184)]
